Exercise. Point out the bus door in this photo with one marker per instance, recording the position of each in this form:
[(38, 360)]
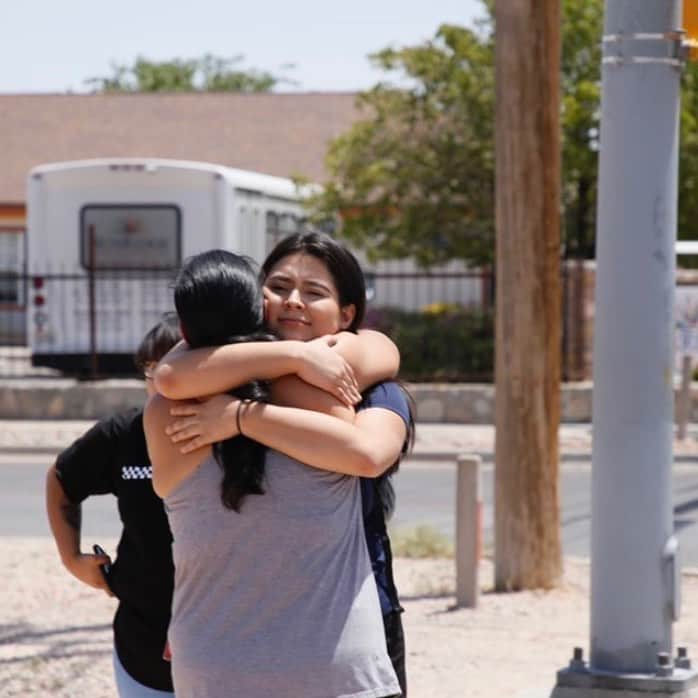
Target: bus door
[(130, 254)]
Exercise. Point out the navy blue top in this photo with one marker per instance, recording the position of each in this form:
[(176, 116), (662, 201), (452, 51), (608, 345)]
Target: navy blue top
[(387, 396)]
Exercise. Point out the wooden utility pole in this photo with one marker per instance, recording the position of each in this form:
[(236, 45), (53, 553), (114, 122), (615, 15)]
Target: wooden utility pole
[(528, 333)]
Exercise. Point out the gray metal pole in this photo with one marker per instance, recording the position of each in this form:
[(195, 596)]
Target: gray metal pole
[(632, 595)]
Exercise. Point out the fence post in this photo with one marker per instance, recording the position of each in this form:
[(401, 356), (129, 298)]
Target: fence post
[(468, 530), (94, 360)]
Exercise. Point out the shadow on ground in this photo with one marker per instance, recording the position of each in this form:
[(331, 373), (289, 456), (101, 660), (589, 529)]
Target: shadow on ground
[(33, 643)]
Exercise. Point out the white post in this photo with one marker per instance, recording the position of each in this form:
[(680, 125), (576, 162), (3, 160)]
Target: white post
[(468, 530), (631, 591)]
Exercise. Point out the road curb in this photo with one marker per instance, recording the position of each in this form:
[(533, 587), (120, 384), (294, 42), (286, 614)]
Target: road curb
[(420, 455), (435, 456), (488, 456)]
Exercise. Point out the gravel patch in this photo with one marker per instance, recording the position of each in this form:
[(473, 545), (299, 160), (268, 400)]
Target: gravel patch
[(55, 633)]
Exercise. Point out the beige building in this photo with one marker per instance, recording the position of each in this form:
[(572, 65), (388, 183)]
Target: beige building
[(277, 134)]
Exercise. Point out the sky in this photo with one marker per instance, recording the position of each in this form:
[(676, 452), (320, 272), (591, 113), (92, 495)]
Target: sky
[(55, 45)]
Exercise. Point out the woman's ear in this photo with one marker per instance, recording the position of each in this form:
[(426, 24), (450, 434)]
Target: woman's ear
[(346, 316)]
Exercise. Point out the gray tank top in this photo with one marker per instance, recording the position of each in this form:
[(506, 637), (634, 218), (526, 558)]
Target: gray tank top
[(279, 599)]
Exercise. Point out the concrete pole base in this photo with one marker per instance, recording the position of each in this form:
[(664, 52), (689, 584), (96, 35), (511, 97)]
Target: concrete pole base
[(585, 683), (568, 692)]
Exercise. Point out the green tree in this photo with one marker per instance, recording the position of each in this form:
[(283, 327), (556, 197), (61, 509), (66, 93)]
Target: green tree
[(415, 176), (580, 107), (206, 74), (688, 161)]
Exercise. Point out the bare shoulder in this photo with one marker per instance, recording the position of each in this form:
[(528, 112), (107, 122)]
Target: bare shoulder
[(170, 466), (372, 355), (156, 417), (375, 336), (374, 341)]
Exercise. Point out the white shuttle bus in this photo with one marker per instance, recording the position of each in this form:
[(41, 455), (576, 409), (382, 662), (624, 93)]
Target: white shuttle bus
[(106, 238)]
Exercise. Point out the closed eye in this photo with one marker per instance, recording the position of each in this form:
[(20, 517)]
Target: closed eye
[(319, 291)]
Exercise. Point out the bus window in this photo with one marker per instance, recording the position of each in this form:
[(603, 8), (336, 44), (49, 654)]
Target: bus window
[(272, 232), (272, 223), (288, 224), (130, 237)]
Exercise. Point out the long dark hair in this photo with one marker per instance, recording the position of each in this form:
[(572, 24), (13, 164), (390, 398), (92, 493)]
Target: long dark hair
[(219, 301), (351, 287)]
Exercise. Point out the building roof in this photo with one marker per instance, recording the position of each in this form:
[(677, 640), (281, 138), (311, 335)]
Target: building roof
[(277, 134)]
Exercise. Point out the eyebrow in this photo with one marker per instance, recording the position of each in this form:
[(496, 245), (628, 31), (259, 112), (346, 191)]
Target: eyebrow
[(319, 284), (281, 276)]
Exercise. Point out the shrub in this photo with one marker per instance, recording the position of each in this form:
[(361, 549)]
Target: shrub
[(422, 541), (441, 342)]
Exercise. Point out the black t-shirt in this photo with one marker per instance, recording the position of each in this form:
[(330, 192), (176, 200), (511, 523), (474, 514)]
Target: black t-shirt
[(112, 458)]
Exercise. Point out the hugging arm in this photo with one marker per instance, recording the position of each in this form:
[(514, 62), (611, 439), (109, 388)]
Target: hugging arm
[(366, 447), (339, 364), (217, 418), (363, 445), (372, 355), (324, 434), (189, 373)]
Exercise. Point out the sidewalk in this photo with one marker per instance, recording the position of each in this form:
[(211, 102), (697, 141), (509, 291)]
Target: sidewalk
[(447, 441), (433, 442)]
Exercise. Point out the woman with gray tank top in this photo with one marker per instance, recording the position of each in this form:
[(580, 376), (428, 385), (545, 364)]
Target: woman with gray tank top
[(274, 591), (314, 294)]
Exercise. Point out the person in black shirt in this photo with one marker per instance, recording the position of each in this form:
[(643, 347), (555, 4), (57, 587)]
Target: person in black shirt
[(112, 458)]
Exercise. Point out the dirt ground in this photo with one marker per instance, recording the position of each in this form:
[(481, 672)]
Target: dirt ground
[(55, 634)]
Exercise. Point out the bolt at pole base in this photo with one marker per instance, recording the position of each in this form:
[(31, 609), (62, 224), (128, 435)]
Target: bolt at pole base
[(587, 683)]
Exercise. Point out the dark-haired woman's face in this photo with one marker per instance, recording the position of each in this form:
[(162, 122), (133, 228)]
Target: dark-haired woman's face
[(301, 300)]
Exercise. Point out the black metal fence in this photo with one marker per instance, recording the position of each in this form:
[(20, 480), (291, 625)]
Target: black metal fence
[(89, 324)]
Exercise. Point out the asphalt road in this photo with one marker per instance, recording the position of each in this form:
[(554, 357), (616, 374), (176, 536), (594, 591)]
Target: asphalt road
[(22, 508), (425, 496)]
